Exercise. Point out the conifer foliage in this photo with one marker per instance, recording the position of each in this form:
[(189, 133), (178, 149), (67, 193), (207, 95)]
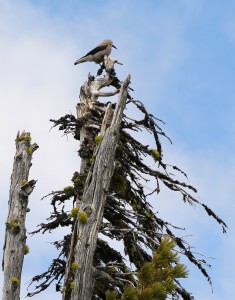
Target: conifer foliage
[(155, 278)]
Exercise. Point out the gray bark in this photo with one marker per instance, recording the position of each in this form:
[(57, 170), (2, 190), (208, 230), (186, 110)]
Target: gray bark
[(89, 94), (15, 236), (84, 237)]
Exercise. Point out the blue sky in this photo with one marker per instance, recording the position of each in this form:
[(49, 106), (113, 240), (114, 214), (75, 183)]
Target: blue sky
[(180, 55)]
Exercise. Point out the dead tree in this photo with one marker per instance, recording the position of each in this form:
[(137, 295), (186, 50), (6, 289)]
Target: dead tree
[(111, 198), (84, 237), (15, 237)]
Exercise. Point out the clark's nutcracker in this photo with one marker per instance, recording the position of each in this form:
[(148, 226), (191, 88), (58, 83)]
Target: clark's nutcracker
[(98, 53)]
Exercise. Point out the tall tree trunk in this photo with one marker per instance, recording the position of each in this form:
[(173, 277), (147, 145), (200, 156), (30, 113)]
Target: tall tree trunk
[(79, 283), (15, 236), (96, 188)]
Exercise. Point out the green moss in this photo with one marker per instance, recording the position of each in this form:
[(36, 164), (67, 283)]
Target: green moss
[(112, 270), (30, 150), (21, 138), (74, 212), (26, 249), (76, 181), (126, 269), (75, 175), (79, 182), (156, 154), (83, 218), (68, 189), (72, 284), (98, 139), (15, 281), (24, 182), (14, 224), (74, 266)]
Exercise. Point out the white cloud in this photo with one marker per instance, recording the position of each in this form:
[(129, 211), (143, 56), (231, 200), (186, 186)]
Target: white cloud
[(39, 82)]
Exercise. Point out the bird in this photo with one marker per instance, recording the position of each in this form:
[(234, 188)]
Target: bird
[(97, 54)]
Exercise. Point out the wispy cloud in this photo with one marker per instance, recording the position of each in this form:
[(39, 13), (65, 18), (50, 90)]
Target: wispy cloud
[(158, 44)]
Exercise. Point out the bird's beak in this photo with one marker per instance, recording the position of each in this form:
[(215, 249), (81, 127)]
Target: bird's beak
[(114, 47)]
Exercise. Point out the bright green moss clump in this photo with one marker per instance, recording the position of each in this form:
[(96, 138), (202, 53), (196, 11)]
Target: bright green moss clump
[(26, 249), (14, 224), (68, 189), (156, 154), (74, 266), (83, 218), (24, 182), (30, 150), (15, 281), (74, 212), (98, 139), (72, 285), (21, 138)]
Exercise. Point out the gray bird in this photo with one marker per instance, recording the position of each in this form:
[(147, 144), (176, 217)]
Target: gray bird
[(97, 54)]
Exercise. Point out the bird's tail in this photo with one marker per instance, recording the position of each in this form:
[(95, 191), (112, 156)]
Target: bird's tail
[(78, 62), (82, 60)]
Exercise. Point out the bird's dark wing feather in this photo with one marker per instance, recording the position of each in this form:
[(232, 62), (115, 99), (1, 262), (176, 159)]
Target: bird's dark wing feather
[(95, 50)]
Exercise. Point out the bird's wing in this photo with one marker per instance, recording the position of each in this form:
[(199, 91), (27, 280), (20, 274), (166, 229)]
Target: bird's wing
[(96, 50)]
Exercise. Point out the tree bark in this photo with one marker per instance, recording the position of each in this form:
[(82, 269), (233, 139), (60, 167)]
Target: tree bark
[(84, 237), (89, 94), (15, 236)]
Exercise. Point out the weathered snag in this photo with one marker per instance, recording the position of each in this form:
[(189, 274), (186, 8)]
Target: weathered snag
[(15, 236)]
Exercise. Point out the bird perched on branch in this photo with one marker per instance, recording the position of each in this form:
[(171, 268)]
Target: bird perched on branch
[(97, 54)]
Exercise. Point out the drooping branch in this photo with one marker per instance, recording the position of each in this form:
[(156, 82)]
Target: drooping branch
[(15, 237)]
